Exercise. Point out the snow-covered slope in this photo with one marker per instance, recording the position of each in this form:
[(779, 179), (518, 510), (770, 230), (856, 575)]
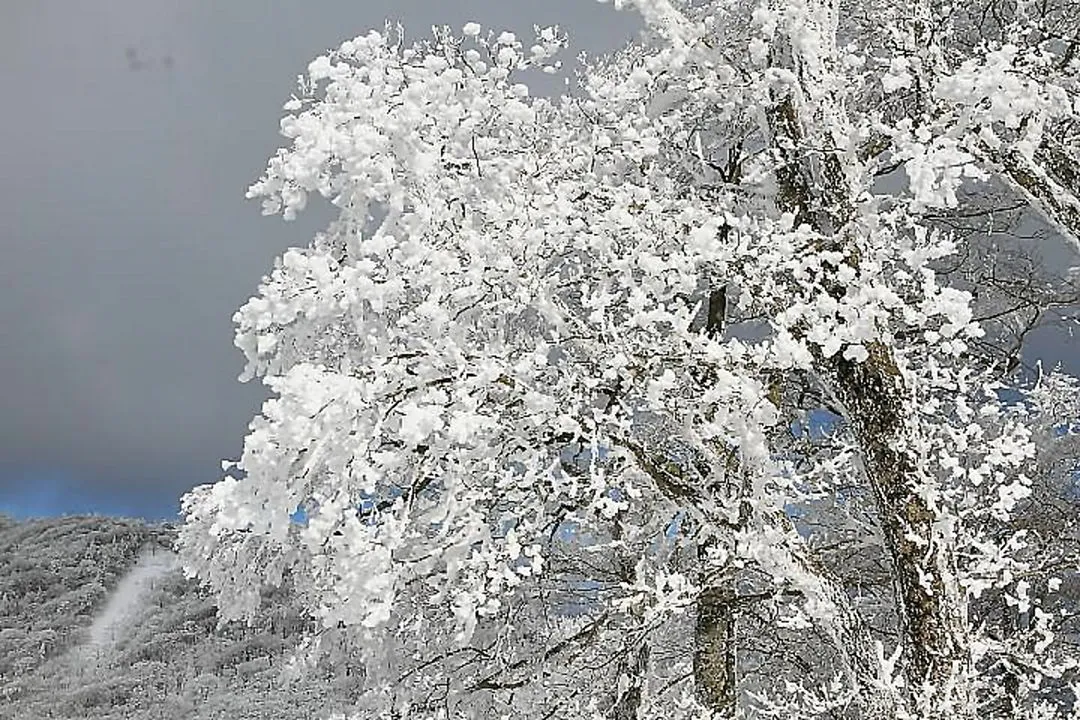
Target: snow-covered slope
[(97, 622), (128, 601)]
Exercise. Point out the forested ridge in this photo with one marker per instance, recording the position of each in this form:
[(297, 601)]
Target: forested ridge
[(166, 660)]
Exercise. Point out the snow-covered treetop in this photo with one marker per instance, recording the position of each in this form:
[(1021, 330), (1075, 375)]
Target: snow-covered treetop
[(538, 322)]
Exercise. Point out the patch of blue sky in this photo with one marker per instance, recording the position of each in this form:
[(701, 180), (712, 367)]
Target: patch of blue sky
[(41, 491)]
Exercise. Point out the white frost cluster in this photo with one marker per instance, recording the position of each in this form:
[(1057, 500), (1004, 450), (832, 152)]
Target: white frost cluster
[(499, 368)]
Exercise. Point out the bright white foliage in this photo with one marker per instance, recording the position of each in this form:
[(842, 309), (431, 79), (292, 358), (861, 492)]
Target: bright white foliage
[(482, 359)]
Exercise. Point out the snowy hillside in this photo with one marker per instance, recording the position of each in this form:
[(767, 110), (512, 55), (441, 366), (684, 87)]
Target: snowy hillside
[(97, 621)]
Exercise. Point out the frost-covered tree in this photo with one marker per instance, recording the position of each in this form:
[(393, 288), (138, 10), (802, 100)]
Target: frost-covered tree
[(577, 397)]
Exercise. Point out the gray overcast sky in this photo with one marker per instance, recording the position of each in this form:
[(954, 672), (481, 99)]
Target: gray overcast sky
[(131, 131)]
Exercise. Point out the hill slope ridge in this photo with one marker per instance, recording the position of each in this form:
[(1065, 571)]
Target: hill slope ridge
[(97, 621)]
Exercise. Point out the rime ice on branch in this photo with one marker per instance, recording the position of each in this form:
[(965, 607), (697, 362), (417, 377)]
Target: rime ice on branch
[(658, 400)]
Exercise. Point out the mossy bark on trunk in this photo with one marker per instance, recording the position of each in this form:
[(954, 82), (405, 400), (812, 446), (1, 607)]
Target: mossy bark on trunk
[(931, 607), (714, 647)]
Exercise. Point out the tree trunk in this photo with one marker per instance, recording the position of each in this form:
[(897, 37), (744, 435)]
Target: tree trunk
[(815, 187), (628, 700), (715, 649), (928, 599)]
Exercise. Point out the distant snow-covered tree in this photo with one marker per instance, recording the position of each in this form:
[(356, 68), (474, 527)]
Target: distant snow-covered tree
[(577, 398)]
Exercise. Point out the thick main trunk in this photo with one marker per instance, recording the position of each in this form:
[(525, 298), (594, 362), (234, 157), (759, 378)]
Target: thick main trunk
[(927, 598), (929, 601), (715, 649)]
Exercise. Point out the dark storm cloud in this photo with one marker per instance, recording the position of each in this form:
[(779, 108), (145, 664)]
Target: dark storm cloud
[(130, 131)]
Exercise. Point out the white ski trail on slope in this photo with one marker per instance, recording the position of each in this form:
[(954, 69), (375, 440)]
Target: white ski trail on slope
[(128, 599)]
